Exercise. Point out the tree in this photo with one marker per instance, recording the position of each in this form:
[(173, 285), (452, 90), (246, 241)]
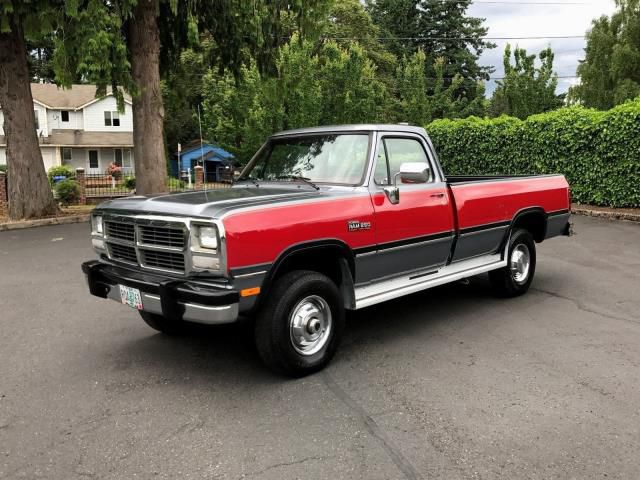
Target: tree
[(118, 43), (610, 72), (526, 89), (441, 29), (29, 191)]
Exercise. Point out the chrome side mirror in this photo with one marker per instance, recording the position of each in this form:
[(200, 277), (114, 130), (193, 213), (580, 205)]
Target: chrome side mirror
[(393, 194), (414, 172)]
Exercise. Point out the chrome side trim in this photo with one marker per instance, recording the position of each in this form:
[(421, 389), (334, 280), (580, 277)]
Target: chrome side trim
[(253, 274), (390, 289)]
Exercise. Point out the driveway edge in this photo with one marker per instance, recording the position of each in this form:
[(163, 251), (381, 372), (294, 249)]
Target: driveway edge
[(610, 213), (44, 221)]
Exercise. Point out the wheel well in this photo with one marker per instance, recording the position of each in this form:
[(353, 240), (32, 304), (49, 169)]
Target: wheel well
[(534, 221), (336, 261)]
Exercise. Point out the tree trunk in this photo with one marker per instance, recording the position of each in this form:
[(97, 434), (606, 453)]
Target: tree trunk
[(148, 111), (29, 191)]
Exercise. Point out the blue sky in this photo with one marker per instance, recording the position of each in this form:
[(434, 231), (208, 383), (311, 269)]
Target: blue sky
[(522, 19)]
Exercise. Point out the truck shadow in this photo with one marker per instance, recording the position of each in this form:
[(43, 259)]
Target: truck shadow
[(227, 353)]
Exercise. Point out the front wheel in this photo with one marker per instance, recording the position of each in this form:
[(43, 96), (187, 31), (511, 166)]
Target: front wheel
[(516, 277), (299, 327)]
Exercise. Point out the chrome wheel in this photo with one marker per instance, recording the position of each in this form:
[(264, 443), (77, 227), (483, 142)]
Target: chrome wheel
[(520, 263), (310, 325)]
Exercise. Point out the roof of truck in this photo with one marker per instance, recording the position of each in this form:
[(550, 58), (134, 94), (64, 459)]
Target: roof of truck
[(364, 127)]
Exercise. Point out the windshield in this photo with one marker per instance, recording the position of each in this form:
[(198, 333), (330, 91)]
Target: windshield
[(334, 159)]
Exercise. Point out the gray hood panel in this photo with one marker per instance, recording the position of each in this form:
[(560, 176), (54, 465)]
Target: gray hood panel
[(210, 203)]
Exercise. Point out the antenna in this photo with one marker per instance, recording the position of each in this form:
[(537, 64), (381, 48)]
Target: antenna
[(204, 165)]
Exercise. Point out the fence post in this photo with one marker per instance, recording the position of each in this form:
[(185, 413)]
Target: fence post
[(4, 198), (82, 181), (199, 172)]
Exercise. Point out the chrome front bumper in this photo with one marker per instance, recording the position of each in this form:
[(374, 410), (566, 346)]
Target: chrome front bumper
[(175, 299)]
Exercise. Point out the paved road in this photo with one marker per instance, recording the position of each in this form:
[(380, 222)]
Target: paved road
[(450, 383)]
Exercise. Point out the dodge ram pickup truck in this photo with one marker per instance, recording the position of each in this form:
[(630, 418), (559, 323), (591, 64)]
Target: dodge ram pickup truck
[(321, 220)]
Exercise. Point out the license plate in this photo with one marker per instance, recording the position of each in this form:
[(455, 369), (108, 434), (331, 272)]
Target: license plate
[(131, 296)]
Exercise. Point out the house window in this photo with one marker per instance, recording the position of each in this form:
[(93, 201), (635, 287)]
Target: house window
[(111, 119), (35, 112), (117, 153), (64, 115), (93, 159), (66, 155)]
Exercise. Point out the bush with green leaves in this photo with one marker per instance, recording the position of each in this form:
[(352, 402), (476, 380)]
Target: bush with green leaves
[(129, 183), (61, 171), (67, 191), (175, 184), (3, 168), (598, 152)]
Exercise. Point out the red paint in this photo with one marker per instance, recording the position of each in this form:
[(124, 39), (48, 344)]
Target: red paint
[(261, 235)]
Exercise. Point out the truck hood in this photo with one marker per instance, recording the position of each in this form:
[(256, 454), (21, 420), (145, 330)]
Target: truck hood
[(210, 203)]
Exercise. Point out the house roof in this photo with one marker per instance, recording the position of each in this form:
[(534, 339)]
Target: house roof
[(80, 138), (74, 98)]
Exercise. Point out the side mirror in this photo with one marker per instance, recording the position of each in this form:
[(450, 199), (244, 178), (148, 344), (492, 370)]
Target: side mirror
[(414, 172)]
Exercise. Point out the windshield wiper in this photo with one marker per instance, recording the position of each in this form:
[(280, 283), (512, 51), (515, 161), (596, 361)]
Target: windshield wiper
[(297, 177)]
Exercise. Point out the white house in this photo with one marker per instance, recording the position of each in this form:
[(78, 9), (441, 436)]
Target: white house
[(75, 128)]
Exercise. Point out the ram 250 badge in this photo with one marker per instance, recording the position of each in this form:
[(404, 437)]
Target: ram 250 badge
[(322, 220)]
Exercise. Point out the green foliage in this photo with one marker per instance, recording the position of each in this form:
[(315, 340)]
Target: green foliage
[(443, 30), (597, 151), (175, 184), (61, 171), (3, 168), (526, 89), (610, 72), (67, 191), (129, 183)]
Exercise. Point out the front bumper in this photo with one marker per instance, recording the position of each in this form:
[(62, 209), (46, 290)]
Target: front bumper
[(178, 300)]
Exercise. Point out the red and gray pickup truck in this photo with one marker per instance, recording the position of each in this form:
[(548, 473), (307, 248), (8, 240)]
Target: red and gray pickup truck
[(321, 220)]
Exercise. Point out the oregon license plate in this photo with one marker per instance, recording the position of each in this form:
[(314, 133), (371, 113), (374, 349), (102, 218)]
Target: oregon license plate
[(131, 296)]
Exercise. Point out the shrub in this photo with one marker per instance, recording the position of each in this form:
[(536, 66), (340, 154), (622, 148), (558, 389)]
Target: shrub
[(175, 184), (114, 170), (3, 168), (61, 171), (129, 183), (597, 151), (67, 191)]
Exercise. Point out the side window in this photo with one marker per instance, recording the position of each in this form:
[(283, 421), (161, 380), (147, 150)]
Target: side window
[(393, 152)]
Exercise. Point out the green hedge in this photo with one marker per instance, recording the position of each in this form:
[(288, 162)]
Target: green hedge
[(598, 152)]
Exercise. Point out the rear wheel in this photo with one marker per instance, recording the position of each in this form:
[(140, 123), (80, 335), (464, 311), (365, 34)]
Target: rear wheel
[(163, 324), (299, 328), (516, 277)]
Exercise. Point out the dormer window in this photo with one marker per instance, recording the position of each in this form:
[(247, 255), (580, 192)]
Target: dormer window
[(111, 119), (64, 115)]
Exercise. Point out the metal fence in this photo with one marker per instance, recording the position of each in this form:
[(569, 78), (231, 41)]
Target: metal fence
[(98, 186)]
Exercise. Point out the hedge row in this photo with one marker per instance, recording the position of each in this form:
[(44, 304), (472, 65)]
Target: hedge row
[(598, 152)]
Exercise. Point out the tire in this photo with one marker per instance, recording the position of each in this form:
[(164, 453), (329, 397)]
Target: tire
[(299, 327), (163, 324), (515, 279)]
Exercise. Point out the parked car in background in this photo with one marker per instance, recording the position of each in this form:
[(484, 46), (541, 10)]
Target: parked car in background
[(322, 220)]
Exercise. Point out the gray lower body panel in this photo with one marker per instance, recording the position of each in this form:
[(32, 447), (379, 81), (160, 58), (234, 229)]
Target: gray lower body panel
[(481, 242)]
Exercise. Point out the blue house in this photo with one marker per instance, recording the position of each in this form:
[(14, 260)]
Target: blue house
[(217, 162)]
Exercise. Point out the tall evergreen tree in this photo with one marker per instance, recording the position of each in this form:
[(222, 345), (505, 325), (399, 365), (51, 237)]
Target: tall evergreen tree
[(442, 30)]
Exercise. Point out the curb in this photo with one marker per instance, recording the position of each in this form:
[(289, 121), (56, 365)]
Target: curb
[(628, 216), (45, 221)]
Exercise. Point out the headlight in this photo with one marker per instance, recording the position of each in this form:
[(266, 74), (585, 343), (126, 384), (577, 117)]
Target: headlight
[(96, 224), (208, 237)]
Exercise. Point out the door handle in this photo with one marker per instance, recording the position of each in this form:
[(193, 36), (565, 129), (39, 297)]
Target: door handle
[(437, 195)]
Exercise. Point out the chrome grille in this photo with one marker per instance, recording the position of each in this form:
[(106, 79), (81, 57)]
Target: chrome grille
[(150, 244), (164, 260), (121, 231), (162, 236), (125, 253)]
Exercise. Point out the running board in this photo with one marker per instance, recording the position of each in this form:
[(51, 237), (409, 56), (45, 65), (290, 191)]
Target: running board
[(389, 289)]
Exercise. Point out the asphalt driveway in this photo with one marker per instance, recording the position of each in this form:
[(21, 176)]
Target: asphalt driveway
[(450, 383)]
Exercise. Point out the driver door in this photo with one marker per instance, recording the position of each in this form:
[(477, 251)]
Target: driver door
[(415, 235)]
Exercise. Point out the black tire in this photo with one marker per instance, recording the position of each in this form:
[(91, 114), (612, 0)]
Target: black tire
[(275, 339), (163, 324), (510, 281)]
